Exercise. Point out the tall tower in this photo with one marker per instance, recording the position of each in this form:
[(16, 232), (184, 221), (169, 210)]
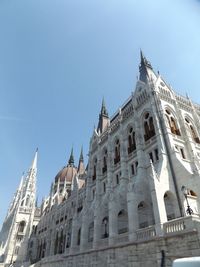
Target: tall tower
[(17, 226)]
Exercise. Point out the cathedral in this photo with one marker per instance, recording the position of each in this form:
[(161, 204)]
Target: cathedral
[(135, 203)]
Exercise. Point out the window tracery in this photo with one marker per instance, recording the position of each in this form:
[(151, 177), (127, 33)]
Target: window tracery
[(149, 129), (192, 131), (172, 123), (131, 141)]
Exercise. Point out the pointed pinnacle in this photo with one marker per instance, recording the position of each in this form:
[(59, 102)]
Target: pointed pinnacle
[(103, 108), (34, 163), (71, 159), (141, 56), (81, 154)]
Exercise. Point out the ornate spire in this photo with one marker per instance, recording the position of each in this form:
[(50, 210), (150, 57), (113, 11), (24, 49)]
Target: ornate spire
[(145, 65), (34, 162), (71, 158)]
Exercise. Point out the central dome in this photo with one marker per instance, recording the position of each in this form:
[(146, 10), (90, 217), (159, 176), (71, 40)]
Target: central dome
[(66, 174)]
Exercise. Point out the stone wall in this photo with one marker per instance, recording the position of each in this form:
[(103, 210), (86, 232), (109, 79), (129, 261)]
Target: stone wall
[(143, 254)]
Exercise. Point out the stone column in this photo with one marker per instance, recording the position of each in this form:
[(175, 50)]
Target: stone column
[(97, 227), (84, 231), (124, 166), (112, 219), (74, 235), (132, 212)]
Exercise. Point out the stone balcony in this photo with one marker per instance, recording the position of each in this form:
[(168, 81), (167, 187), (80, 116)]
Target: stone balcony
[(181, 225)]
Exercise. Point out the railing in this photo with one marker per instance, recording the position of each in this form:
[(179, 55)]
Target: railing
[(180, 225), (146, 233)]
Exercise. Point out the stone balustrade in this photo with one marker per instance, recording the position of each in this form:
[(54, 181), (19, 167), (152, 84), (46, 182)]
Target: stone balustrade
[(146, 233), (184, 224)]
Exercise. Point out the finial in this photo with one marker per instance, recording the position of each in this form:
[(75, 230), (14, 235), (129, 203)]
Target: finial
[(71, 159)]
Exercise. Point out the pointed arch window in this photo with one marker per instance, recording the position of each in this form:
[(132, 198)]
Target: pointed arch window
[(61, 242), (131, 141), (105, 227), (27, 200), (149, 129), (94, 176), (192, 131), (105, 158), (172, 123), (122, 222), (117, 151)]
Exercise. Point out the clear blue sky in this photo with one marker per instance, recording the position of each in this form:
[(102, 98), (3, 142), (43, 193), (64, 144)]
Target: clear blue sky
[(59, 58)]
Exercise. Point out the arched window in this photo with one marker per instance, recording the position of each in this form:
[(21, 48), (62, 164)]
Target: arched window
[(149, 130), (27, 200), (192, 131), (105, 227), (131, 141), (91, 232), (79, 237), (117, 152), (105, 156), (22, 225), (172, 123), (61, 243), (145, 215), (122, 222), (169, 206)]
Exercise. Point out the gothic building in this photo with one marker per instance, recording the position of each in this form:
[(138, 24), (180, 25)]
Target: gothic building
[(135, 202)]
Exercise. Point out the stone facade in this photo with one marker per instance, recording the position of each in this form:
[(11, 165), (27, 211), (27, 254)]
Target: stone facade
[(139, 194)]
